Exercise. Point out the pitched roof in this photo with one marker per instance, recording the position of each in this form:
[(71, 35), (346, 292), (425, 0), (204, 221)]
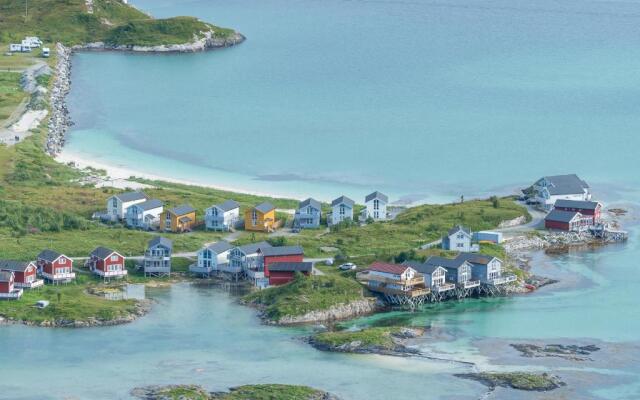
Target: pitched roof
[(228, 205), (452, 263), (585, 205), (102, 252), (182, 209), (253, 247), (565, 184), (265, 207), (149, 204), (343, 199), (310, 202), (12, 265), (48, 255), (376, 195), (423, 268), (184, 219), (130, 196), (159, 240), (396, 269), (5, 276), (561, 216), (220, 247), (476, 258), (282, 250), (291, 266), (457, 228)]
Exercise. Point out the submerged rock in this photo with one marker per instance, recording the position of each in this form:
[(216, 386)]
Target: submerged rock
[(568, 352), (516, 380)]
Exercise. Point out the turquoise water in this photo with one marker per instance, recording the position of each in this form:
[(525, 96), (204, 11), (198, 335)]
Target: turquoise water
[(424, 100)]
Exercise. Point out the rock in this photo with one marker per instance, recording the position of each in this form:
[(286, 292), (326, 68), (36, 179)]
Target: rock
[(334, 313), (513, 222), (568, 352), (516, 380)]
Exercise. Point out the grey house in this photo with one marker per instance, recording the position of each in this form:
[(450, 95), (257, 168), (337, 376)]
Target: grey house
[(341, 210), (145, 215), (308, 214), (459, 272), (486, 269), (458, 239), (222, 217), (157, 257)]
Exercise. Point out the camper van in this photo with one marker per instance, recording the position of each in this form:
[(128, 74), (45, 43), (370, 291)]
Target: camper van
[(45, 52)]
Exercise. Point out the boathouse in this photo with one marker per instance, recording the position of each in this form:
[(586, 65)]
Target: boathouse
[(569, 221), (55, 267), (8, 290), (106, 263), (25, 273), (222, 217), (588, 209), (280, 273), (157, 257)]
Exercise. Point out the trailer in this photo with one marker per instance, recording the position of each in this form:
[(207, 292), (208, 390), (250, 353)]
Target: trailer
[(488, 236)]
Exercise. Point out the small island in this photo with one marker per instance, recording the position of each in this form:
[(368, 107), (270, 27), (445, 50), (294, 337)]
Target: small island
[(247, 392), (378, 340), (516, 380)]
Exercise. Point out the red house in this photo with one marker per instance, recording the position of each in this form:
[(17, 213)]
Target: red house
[(25, 273), (279, 254), (7, 286), (284, 272), (590, 209), (55, 267), (570, 221), (106, 263)]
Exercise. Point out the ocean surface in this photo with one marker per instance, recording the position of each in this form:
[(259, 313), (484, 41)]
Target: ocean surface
[(425, 100)]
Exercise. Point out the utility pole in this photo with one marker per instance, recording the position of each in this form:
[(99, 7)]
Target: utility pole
[(26, 10)]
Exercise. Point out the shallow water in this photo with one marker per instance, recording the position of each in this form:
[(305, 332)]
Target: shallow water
[(424, 100)]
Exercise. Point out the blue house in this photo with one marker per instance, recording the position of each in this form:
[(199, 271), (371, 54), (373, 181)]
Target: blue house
[(341, 210), (459, 271), (486, 269), (308, 214)]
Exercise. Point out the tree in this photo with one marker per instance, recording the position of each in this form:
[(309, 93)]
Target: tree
[(495, 202)]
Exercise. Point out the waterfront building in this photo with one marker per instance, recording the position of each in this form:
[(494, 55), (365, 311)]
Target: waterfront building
[(279, 254), (261, 218), (570, 221), (222, 217), (249, 259), (398, 284), (308, 214), (458, 272), (280, 273), (341, 210), (118, 204), (157, 257), (215, 258), (106, 263), (487, 269), (549, 189), (178, 219), (55, 267), (25, 273), (434, 277), (588, 209), (145, 215), (376, 206), (459, 238), (8, 290), (487, 236)]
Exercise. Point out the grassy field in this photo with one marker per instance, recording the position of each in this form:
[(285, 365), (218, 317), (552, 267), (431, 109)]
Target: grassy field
[(378, 337), (11, 95), (271, 392), (306, 294)]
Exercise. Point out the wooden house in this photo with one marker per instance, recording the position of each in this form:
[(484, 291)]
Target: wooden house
[(458, 272), (178, 219), (376, 206), (249, 260), (588, 209), (25, 273), (486, 269), (280, 254), (222, 217), (393, 279), (106, 263), (549, 189), (308, 214), (434, 276), (261, 218), (569, 221), (458, 238), (8, 290), (145, 215), (280, 273), (55, 267), (341, 210), (214, 258), (118, 204), (157, 257)]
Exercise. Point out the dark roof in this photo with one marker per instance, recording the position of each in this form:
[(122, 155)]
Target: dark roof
[(475, 258), (253, 247), (130, 196), (310, 202), (282, 250), (566, 184), (291, 266), (585, 205), (102, 252), (457, 228), (265, 207), (12, 265), (388, 268), (561, 216), (220, 247), (228, 205), (423, 268), (149, 204), (159, 240), (376, 195), (182, 209), (445, 262), (5, 276), (48, 255), (343, 199)]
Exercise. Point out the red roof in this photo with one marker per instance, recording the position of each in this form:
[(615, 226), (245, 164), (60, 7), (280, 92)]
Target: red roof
[(388, 268)]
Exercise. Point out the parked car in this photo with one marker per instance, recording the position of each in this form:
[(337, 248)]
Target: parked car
[(347, 267)]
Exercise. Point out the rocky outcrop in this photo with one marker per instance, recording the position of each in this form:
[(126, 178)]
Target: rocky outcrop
[(209, 41), (569, 352), (334, 313), (513, 222), (516, 380), (399, 347), (247, 392), (60, 120)]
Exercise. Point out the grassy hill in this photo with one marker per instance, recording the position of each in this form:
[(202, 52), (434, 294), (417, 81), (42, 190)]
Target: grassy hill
[(69, 22)]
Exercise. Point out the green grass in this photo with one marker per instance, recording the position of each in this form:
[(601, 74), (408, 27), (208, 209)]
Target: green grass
[(380, 337), (306, 294), (520, 380), (271, 392), (74, 304), (11, 95)]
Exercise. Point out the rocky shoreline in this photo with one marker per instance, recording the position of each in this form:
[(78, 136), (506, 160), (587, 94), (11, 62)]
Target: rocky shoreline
[(142, 307), (398, 349), (516, 380), (337, 312), (247, 392)]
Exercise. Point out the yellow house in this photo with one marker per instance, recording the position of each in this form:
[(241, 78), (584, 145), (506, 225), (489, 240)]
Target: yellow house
[(178, 219), (261, 218)]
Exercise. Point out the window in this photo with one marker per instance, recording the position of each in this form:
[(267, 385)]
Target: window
[(376, 204), (114, 258), (460, 244), (254, 217), (342, 210)]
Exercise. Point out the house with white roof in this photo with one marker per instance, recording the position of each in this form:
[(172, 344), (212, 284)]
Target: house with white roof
[(145, 215), (222, 217), (118, 204), (548, 189), (341, 210), (376, 206)]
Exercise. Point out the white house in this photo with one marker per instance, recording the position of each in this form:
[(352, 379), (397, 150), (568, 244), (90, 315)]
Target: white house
[(341, 210), (376, 206), (548, 189), (222, 217), (32, 41), (117, 204), (213, 258), (145, 215), (459, 239)]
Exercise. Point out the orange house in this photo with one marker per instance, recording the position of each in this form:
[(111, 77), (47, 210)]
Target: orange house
[(261, 218), (178, 219)]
